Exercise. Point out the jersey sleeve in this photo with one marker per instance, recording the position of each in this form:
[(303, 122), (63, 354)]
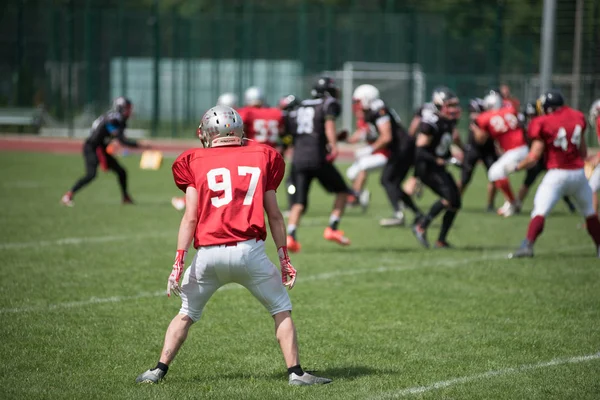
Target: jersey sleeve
[(534, 131), (379, 111), (428, 124), (332, 108), (276, 170), (182, 172)]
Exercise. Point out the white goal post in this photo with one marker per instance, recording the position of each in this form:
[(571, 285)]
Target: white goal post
[(392, 80)]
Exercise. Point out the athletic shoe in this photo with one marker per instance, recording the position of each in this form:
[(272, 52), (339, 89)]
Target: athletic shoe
[(396, 220), (504, 207), (442, 245), (421, 235), (335, 236), (307, 379), (128, 200), (151, 376), (178, 203), (526, 250), (292, 245), (364, 199), (67, 200), (511, 210)]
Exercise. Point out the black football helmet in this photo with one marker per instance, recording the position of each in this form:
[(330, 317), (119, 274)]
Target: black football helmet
[(441, 95), (121, 104), (325, 85), (288, 103), (550, 101)]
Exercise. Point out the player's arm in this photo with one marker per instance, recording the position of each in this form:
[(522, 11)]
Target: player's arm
[(423, 141), (414, 125), (277, 227), (457, 139), (331, 113), (187, 227), (384, 126), (535, 154), (358, 136), (480, 135)]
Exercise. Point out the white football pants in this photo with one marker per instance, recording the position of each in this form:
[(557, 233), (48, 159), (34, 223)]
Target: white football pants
[(366, 163), (563, 182), (512, 157)]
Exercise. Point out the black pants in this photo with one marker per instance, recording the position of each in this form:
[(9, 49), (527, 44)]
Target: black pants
[(394, 172), (441, 183), (473, 153), (91, 167), (327, 175)]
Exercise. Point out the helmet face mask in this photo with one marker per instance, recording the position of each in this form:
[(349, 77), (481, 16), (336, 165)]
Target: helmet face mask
[(446, 102), (221, 126)]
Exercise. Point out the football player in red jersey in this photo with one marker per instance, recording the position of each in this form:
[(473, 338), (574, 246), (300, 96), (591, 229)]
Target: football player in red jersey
[(501, 124), (228, 189), (261, 124), (594, 161), (557, 136)]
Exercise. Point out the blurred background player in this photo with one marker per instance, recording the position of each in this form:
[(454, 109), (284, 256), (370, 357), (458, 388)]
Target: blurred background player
[(110, 125), (261, 124), (594, 161), (226, 99), (229, 189), (502, 125), (529, 113), (288, 106), (558, 135), (434, 139), (315, 149), (507, 98), (400, 147), (475, 152)]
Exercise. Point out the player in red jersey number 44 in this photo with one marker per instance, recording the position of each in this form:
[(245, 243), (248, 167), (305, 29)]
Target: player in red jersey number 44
[(228, 189), (557, 136)]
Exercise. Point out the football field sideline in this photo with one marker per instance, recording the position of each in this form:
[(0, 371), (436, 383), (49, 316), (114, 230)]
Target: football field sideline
[(311, 278)]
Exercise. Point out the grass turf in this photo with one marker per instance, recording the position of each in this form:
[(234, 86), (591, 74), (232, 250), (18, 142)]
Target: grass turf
[(83, 311)]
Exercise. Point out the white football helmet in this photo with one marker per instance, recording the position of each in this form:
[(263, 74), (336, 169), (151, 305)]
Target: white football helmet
[(365, 94), (594, 112), (227, 99), (493, 101), (221, 126), (254, 96)]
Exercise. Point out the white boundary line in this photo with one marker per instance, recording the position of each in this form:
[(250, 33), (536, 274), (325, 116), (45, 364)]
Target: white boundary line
[(311, 278), (486, 375), (79, 240)]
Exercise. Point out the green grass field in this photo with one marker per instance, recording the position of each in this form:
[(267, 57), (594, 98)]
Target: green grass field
[(83, 310)]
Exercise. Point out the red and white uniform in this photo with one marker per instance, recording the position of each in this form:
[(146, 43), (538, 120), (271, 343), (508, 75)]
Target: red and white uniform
[(373, 161), (230, 232), (562, 133), (595, 178), (503, 126), (262, 124)]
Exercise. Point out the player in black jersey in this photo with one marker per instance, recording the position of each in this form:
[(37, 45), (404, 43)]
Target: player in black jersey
[(474, 152), (393, 137), (434, 138), (110, 125), (532, 173), (315, 149), (288, 105)]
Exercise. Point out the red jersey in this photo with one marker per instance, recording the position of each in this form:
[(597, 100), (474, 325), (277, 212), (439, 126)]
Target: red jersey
[(561, 132), (231, 182), (598, 128), (262, 125), (503, 126), (361, 124)]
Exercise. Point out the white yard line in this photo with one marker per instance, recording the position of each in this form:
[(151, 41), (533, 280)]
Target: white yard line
[(310, 278), (79, 240), (485, 375)]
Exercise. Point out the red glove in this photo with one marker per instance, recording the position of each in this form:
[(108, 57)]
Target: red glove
[(173, 283), (288, 272)]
